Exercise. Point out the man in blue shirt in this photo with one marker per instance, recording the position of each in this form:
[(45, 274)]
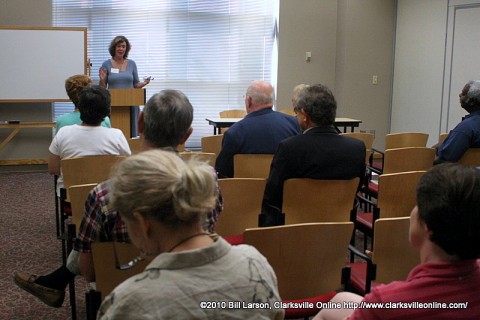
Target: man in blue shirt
[(260, 131), (467, 133)]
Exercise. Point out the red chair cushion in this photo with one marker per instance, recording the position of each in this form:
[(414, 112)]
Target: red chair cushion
[(235, 239), (372, 188), (294, 313), (365, 218), (358, 275)]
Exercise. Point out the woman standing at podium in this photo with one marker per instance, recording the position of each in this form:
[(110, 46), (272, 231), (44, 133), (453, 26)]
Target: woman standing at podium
[(121, 73)]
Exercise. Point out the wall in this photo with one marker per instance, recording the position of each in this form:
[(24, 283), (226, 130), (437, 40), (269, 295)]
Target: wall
[(419, 66), (305, 25), (29, 143), (350, 41)]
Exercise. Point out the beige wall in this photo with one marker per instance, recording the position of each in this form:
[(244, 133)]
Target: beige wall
[(305, 25), (351, 41), (29, 143)]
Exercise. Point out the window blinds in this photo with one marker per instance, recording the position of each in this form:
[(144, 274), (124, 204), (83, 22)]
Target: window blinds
[(209, 49)]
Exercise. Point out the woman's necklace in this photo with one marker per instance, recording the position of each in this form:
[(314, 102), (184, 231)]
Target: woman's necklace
[(118, 65), (186, 239)]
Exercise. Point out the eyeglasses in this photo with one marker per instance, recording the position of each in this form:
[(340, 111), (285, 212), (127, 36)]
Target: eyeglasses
[(130, 264)]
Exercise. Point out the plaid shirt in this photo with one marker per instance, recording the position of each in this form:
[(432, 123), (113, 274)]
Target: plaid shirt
[(103, 223)]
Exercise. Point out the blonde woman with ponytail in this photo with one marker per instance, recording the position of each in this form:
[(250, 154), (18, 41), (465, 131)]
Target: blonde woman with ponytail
[(163, 201)]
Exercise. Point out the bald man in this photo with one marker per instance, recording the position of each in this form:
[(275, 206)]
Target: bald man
[(260, 131)]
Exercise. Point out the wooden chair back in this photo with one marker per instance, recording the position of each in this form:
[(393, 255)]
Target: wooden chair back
[(242, 203), (135, 145), (212, 144), (290, 112), (202, 156), (85, 170), (252, 165), (392, 253), (442, 137), (471, 157), (397, 193), (307, 258), (233, 113), (367, 139), (314, 200), (107, 276), (78, 195), (405, 139), (408, 159)]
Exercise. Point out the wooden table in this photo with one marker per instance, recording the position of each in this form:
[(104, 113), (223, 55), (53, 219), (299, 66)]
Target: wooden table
[(16, 127), (219, 123)]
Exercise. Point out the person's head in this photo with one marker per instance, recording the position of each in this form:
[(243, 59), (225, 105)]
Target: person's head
[(166, 119), (94, 105), (160, 187), (448, 211), (121, 44), (470, 96), (259, 95), (74, 85), (316, 107), (296, 93)]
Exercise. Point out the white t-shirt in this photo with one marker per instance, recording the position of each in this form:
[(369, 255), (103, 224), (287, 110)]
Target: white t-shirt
[(82, 141)]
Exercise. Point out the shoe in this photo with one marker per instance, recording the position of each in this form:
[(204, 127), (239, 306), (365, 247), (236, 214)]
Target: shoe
[(52, 297)]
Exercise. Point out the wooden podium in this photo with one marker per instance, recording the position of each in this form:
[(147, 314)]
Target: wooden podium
[(122, 101)]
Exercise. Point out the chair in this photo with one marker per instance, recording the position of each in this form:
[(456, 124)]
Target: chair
[(401, 140), (308, 260), (408, 159), (107, 275), (135, 145), (84, 170), (202, 156), (77, 171), (392, 257), (287, 111), (396, 198), (367, 139), (315, 200), (242, 202), (442, 137), (78, 194), (471, 157), (212, 144), (401, 160), (405, 139), (252, 165), (233, 113)]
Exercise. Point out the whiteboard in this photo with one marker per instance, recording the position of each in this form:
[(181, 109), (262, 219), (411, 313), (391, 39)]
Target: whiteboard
[(36, 61)]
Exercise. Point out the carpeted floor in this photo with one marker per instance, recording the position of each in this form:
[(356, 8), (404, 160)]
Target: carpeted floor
[(28, 243)]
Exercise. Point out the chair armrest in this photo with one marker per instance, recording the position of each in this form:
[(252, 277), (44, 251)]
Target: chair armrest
[(359, 254)]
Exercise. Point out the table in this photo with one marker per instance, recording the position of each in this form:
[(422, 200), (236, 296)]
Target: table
[(16, 127), (219, 123)]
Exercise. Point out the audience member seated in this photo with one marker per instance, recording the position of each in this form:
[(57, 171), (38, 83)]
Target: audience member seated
[(74, 85), (444, 229), (467, 133), (319, 153), (101, 222), (296, 93), (260, 131), (188, 267), (87, 138)]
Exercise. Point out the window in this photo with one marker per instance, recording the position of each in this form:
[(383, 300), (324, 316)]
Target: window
[(209, 49)]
